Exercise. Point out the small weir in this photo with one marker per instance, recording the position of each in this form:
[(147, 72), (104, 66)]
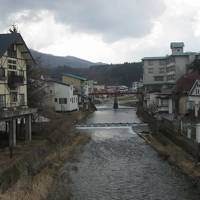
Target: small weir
[(117, 164), (112, 125)]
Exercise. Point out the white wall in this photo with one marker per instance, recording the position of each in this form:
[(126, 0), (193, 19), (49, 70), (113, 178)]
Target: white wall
[(60, 97), (148, 78), (66, 101)]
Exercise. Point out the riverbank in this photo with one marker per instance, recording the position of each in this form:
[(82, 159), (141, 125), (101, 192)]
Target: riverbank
[(129, 101), (172, 152), (31, 173)]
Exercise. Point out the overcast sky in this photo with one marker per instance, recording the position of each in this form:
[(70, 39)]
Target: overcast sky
[(109, 31)]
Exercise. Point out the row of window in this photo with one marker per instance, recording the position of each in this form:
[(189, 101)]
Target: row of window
[(3, 74), (159, 78), (161, 70), (171, 69), (161, 62), (14, 98), (171, 77), (65, 100)]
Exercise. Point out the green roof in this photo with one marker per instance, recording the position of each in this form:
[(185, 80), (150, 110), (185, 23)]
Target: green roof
[(155, 58), (75, 76), (177, 45)]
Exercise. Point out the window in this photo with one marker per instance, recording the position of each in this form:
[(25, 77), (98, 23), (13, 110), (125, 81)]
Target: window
[(171, 69), (164, 102), (13, 97), (159, 78), (21, 73), (171, 77), (197, 91), (171, 59), (2, 72), (162, 62), (150, 70), (2, 101), (56, 100), (22, 100), (12, 53), (161, 70), (12, 64), (62, 100), (150, 62)]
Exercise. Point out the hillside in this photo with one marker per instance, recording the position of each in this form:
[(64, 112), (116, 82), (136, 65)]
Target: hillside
[(51, 61), (119, 74)]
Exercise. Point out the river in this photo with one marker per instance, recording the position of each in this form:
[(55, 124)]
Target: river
[(117, 164)]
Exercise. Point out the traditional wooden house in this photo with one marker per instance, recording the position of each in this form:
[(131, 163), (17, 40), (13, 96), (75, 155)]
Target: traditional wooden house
[(183, 91), (194, 97), (15, 58)]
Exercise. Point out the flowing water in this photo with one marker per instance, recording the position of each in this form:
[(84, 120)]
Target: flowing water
[(117, 164)]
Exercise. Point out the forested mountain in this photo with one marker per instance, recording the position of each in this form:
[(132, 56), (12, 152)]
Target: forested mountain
[(114, 74), (51, 61)]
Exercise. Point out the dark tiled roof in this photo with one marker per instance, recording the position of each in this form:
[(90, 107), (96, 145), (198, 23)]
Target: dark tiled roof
[(185, 83), (6, 40)]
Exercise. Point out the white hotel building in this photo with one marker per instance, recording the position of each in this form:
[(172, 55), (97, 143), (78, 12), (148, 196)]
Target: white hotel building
[(166, 70)]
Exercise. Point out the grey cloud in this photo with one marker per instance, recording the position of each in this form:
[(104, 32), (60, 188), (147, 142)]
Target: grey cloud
[(113, 19)]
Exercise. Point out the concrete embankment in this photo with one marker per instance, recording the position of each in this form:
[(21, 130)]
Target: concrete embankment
[(31, 173), (170, 150)]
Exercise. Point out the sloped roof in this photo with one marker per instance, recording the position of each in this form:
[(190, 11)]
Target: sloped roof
[(75, 76), (185, 83), (58, 82), (6, 40), (196, 84)]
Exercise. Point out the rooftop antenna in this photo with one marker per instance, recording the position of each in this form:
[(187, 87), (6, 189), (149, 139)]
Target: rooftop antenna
[(13, 29)]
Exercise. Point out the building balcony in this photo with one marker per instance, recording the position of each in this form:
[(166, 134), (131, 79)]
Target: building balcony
[(171, 64), (15, 80), (16, 112), (163, 108)]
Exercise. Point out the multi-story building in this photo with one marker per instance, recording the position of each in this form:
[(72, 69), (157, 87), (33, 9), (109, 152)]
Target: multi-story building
[(60, 96), (15, 57), (80, 83), (166, 70)]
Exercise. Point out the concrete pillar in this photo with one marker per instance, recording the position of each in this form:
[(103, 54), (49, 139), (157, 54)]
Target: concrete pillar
[(198, 133), (115, 105), (12, 133), (189, 133), (28, 130), (196, 109), (170, 106)]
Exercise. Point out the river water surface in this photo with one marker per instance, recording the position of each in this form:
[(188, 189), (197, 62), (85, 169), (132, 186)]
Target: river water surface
[(117, 164)]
